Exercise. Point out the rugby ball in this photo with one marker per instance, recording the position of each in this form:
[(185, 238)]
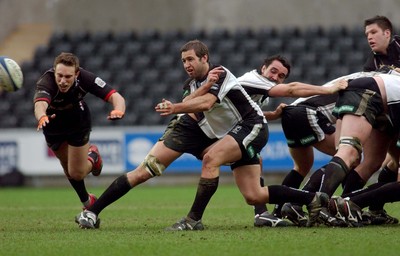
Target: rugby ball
[(11, 77)]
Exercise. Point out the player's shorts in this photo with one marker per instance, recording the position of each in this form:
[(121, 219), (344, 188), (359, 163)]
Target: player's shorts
[(362, 98), (184, 135), (72, 126), (251, 139), (76, 139), (304, 125)]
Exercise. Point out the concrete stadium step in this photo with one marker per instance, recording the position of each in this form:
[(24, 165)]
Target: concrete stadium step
[(21, 44)]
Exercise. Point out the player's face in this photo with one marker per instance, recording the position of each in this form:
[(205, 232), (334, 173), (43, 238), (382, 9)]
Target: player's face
[(378, 39), (194, 66), (65, 77), (275, 72)]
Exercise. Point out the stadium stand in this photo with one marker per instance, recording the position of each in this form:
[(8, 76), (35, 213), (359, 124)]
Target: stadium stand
[(145, 67)]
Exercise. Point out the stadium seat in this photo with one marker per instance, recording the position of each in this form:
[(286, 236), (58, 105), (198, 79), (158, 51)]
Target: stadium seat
[(266, 33), (155, 48), (330, 59), (108, 49), (125, 37), (62, 47), (305, 59), (344, 44), (225, 47), (319, 45), (172, 35), (101, 37), (85, 50), (78, 38), (5, 106), (313, 32), (272, 46), (336, 71), (95, 63), (58, 37), (248, 46), (118, 63), (141, 62), (193, 34)]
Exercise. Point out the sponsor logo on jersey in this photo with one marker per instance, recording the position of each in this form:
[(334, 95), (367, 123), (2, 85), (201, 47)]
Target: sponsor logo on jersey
[(99, 82)]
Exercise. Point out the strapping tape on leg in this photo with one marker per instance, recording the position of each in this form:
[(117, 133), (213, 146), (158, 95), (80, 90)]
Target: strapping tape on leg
[(352, 141), (153, 165)]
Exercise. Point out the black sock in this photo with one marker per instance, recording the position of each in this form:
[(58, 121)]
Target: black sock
[(314, 182), (205, 190), (116, 190), (293, 179), (279, 194), (364, 190), (353, 182), (335, 173), (389, 192), (260, 208), (79, 187), (387, 175)]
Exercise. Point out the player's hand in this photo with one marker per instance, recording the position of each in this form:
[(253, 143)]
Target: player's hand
[(213, 75), (115, 115), (165, 108), (44, 120), (340, 85)]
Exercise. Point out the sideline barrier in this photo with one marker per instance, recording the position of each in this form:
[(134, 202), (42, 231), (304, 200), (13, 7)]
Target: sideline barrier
[(122, 149)]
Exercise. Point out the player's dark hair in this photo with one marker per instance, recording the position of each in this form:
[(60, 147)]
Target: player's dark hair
[(285, 62), (199, 48), (68, 59), (382, 22)]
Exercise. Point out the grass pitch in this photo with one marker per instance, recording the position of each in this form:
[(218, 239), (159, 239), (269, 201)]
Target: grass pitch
[(40, 221)]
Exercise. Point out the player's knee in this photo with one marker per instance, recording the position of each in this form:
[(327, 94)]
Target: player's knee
[(153, 166), (75, 175), (252, 198)]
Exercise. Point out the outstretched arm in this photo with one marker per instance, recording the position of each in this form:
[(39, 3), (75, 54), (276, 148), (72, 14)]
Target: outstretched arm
[(197, 104), (273, 115), (40, 114), (297, 89), (118, 103)]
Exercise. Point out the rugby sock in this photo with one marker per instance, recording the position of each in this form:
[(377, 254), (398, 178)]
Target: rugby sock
[(279, 194), (353, 182), (116, 190), (335, 173), (314, 182), (364, 190), (260, 208), (205, 190), (293, 179), (79, 187), (389, 192), (387, 175)]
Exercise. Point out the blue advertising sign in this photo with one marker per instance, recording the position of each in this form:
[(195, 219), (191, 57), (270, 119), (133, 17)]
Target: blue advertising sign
[(276, 156), (8, 155)]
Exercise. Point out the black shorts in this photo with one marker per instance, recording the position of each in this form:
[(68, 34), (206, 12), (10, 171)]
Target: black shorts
[(304, 126), (77, 139), (251, 140), (184, 135), (362, 98), (72, 126)]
